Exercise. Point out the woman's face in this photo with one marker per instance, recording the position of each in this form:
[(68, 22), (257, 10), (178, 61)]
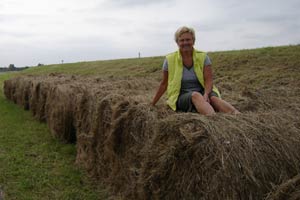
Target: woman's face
[(185, 42)]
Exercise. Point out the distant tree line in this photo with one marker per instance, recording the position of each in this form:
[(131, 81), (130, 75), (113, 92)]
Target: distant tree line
[(11, 67)]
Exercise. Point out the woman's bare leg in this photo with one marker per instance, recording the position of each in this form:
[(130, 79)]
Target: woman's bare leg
[(223, 106), (202, 106)]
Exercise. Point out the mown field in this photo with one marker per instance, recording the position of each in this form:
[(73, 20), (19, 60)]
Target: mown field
[(34, 165), (262, 83)]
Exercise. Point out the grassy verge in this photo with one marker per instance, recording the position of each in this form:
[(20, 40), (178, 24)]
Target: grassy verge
[(33, 165), (108, 68)]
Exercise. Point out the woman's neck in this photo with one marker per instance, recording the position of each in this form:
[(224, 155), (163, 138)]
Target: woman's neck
[(186, 54), (187, 58)]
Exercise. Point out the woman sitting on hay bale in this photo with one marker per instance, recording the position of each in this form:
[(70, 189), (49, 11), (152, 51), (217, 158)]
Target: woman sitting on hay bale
[(187, 77)]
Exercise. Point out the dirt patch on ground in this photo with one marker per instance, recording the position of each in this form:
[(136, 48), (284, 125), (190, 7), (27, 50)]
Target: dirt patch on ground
[(143, 152)]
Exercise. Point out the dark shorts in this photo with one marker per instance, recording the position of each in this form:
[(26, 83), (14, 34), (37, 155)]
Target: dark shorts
[(185, 104)]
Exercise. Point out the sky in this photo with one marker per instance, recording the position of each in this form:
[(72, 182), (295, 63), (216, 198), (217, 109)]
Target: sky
[(56, 31)]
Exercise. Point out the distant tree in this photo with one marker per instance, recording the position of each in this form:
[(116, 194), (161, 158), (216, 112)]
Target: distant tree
[(11, 67), (40, 64)]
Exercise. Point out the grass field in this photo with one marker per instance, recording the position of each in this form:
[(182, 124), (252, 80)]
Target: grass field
[(34, 165)]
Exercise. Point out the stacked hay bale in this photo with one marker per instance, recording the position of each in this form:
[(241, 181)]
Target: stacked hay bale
[(220, 157), (38, 98), (93, 125), (119, 122), (143, 152), (17, 90), (84, 115), (122, 148), (61, 110)]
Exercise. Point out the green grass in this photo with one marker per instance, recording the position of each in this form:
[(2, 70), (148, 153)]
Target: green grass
[(110, 68), (255, 65), (33, 165), (258, 67)]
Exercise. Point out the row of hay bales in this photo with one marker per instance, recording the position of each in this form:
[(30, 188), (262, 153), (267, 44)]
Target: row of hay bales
[(142, 152)]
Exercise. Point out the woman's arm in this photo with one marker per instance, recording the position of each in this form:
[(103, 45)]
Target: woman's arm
[(208, 81), (162, 88)]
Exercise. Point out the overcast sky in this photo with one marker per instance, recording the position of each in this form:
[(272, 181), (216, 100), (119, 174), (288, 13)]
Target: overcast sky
[(49, 31)]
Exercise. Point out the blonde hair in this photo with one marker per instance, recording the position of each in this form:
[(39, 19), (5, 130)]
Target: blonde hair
[(182, 30)]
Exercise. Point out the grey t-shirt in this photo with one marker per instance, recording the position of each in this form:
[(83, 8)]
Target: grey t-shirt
[(207, 61), (189, 81)]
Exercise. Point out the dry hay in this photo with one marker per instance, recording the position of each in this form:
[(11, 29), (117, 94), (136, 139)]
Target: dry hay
[(40, 87), (91, 137), (142, 152), (84, 113), (61, 111), (289, 190), (1, 194), (38, 98), (195, 157), (122, 148), (17, 90)]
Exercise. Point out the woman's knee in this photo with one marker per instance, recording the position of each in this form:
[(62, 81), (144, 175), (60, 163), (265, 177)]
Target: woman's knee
[(196, 96), (214, 99), (222, 106)]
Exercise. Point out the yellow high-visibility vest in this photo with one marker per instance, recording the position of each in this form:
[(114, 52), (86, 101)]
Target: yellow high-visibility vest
[(175, 70)]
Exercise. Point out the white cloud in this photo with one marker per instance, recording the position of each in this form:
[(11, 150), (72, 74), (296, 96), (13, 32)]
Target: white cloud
[(48, 31)]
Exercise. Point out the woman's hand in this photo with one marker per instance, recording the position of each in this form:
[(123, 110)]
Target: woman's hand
[(208, 82), (206, 97)]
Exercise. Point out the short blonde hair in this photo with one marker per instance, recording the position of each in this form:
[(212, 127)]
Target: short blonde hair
[(182, 30)]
